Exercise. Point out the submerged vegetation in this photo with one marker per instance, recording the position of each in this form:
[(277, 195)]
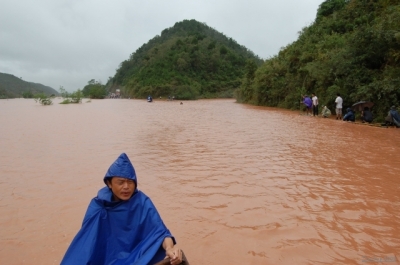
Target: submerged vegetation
[(43, 99), (352, 48), (74, 97), (189, 60), (93, 90)]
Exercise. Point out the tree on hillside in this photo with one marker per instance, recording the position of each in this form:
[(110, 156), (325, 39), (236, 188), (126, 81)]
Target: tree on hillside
[(328, 7), (245, 93)]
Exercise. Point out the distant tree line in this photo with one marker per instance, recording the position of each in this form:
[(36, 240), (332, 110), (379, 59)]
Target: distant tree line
[(352, 48), (93, 90)]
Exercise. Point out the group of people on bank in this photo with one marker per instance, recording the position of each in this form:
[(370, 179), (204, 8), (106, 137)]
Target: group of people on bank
[(311, 105)]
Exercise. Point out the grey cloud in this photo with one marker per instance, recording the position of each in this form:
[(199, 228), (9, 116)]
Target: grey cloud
[(67, 43)]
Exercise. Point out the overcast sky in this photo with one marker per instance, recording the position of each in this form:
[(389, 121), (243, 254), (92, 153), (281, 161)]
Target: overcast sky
[(68, 42)]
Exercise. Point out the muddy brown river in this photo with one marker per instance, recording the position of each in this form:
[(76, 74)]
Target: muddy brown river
[(235, 184)]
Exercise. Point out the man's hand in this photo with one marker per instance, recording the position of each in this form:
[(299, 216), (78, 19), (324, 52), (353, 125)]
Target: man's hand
[(174, 254)]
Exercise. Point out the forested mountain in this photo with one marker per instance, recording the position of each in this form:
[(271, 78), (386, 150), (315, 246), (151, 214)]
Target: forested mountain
[(12, 87), (189, 60), (352, 48)]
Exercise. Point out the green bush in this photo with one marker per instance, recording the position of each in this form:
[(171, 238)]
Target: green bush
[(65, 101), (76, 97), (94, 89), (43, 99)]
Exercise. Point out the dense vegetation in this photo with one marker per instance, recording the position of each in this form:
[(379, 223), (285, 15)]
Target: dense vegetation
[(189, 60), (95, 89), (12, 87), (352, 48), (4, 93)]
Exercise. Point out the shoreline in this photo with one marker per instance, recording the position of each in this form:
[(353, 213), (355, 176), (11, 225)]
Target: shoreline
[(372, 124)]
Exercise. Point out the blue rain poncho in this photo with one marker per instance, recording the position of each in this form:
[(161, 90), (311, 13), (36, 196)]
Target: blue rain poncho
[(307, 101), (119, 232), (349, 115), (395, 115)]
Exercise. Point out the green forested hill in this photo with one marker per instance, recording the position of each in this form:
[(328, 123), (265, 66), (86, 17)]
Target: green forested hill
[(352, 48), (188, 61), (12, 87)]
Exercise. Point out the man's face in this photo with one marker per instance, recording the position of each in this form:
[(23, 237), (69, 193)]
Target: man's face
[(122, 188)]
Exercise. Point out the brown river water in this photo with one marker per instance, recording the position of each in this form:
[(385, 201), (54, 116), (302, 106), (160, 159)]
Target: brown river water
[(235, 184)]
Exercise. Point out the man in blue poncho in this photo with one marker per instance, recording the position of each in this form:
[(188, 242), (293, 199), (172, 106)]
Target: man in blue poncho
[(308, 103), (121, 225), (395, 116), (349, 115)]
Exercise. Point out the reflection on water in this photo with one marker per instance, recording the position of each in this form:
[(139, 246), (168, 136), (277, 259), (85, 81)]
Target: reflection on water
[(235, 184)]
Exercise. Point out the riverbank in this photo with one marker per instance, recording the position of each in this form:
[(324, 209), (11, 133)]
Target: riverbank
[(373, 124)]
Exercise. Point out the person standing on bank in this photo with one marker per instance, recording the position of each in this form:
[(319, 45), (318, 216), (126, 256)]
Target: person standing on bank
[(308, 103), (314, 104), (339, 106)]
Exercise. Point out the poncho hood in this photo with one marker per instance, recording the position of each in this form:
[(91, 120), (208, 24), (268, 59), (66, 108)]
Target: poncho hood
[(123, 168)]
